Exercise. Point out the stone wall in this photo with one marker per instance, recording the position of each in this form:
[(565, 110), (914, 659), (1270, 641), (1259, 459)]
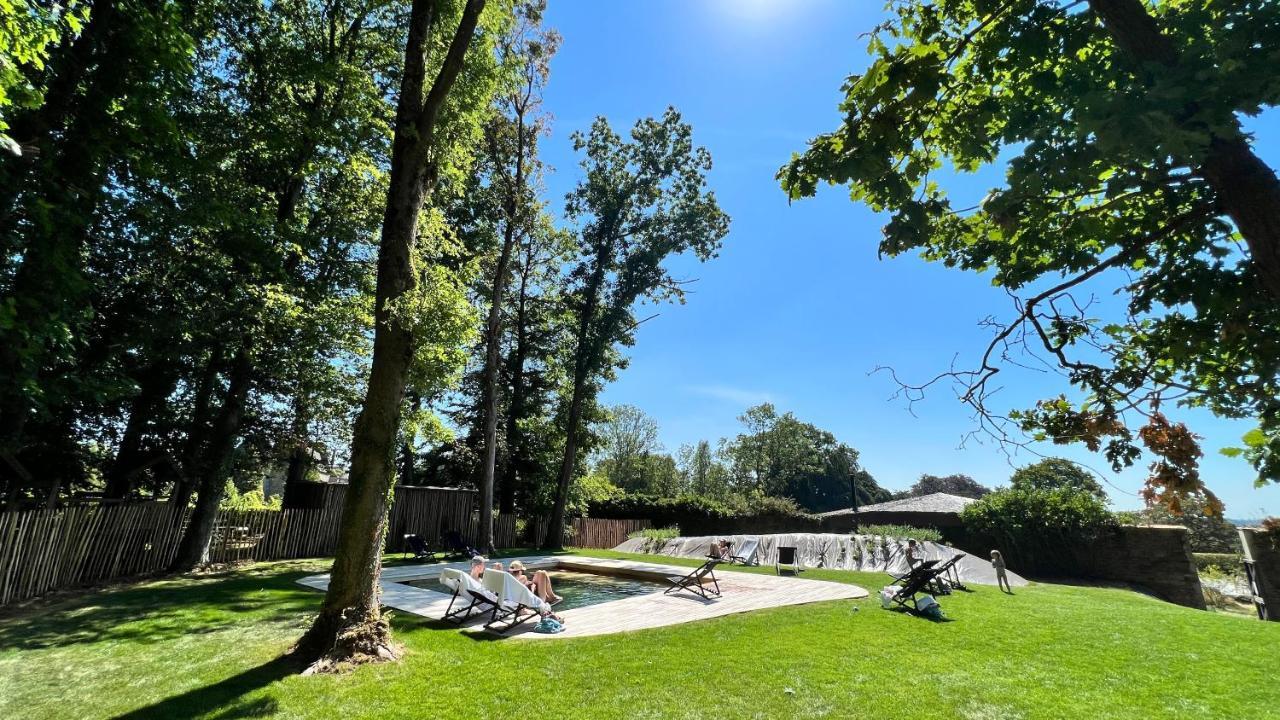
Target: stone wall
[(1153, 558), (1156, 558), (1263, 550)]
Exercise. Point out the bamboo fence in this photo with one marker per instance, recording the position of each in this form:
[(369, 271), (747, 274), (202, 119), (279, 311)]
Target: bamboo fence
[(46, 550)]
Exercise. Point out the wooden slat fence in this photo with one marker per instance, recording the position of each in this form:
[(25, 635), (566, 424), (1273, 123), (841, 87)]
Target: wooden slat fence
[(589, 532), (428, 512), (46, 550)]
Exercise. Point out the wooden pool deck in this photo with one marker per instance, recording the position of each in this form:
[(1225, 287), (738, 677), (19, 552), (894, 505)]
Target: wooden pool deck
[(740, 592)]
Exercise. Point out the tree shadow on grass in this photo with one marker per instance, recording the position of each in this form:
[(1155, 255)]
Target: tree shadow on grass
[(225, 695), (153, 612)]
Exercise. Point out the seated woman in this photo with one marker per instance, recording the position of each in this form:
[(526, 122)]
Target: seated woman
[(719, 549), (539, 584)]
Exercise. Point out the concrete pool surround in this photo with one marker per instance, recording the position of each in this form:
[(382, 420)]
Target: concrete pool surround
[(741, 592)]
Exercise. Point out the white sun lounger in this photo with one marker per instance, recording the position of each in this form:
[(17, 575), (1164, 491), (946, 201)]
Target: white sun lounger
[(746, 554), (466, 590), (516, 604)]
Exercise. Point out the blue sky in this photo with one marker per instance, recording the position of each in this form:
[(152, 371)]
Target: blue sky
[(798, 310)]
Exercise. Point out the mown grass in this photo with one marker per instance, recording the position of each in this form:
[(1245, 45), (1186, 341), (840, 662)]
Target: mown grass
[(212, 647)]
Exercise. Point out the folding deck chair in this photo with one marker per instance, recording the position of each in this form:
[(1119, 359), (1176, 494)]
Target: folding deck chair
[(787, 556), (456, 546), (693, 582), (515, 606), (923, 566), (465, 588), (914, 582), (948, 577), (419, 547), (746, 554)]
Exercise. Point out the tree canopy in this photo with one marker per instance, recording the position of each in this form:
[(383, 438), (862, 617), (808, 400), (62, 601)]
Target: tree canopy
[(1117, 122), (1052, 473), (961, 485)]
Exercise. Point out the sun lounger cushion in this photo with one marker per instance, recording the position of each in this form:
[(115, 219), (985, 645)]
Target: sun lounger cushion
[(512, 592)]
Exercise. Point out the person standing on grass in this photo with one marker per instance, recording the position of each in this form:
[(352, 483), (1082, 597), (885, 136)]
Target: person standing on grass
[(913, 555), (1002, 578)]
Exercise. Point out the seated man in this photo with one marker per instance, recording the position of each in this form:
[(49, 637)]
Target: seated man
[(477, 567)]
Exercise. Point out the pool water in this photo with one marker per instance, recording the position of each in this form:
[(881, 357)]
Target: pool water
[(579, 589), (582, 589)]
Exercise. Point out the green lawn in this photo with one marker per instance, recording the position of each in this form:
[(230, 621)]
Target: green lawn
[(211, 647)]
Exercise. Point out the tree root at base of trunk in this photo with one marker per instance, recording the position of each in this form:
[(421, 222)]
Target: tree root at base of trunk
[(354, 640)]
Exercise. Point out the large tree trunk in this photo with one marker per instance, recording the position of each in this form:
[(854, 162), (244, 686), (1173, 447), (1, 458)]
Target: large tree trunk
[(582, 369), (156, 385), (197, 434), (555, 528), (489, 394), (194, 548), (1247, 189), (407, 453), (350, 627), (515, 411), (493, 345)]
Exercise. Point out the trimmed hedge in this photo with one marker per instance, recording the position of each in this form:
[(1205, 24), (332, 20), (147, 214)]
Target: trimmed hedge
[(697, 515), (1227, 562)]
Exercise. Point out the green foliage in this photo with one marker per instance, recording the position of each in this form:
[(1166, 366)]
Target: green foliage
[(659, 535), (702, 472), (1218, 563), (28, 32), (901, 532), (1107, 156), (1037, 528), (655, 538), (1206, 533), (233, 499), (630, 452), (1053, 473), (694, 513), (780, 456), (961, 485)]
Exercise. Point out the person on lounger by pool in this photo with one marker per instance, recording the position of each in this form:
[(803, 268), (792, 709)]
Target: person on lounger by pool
[(539, 584), (477, 566)]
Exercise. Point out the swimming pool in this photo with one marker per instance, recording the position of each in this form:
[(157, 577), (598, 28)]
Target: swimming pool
[(578, 589)]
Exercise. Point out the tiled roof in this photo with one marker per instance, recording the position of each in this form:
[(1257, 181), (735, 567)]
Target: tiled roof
[(935, 503)]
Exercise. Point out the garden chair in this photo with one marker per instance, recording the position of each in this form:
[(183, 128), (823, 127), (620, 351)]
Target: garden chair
[(465, 588), (515, 604), (923, 567), (746, 554), (419, 547), (948, 577), (457, 547), (913, 583), (695, 580), (787, 557)]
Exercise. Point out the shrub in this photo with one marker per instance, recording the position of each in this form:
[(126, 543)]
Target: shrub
[(655, 538), (1226, 563), (659, 534), (902, 532), (1038, 528), (252, 500), (701, 515)]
